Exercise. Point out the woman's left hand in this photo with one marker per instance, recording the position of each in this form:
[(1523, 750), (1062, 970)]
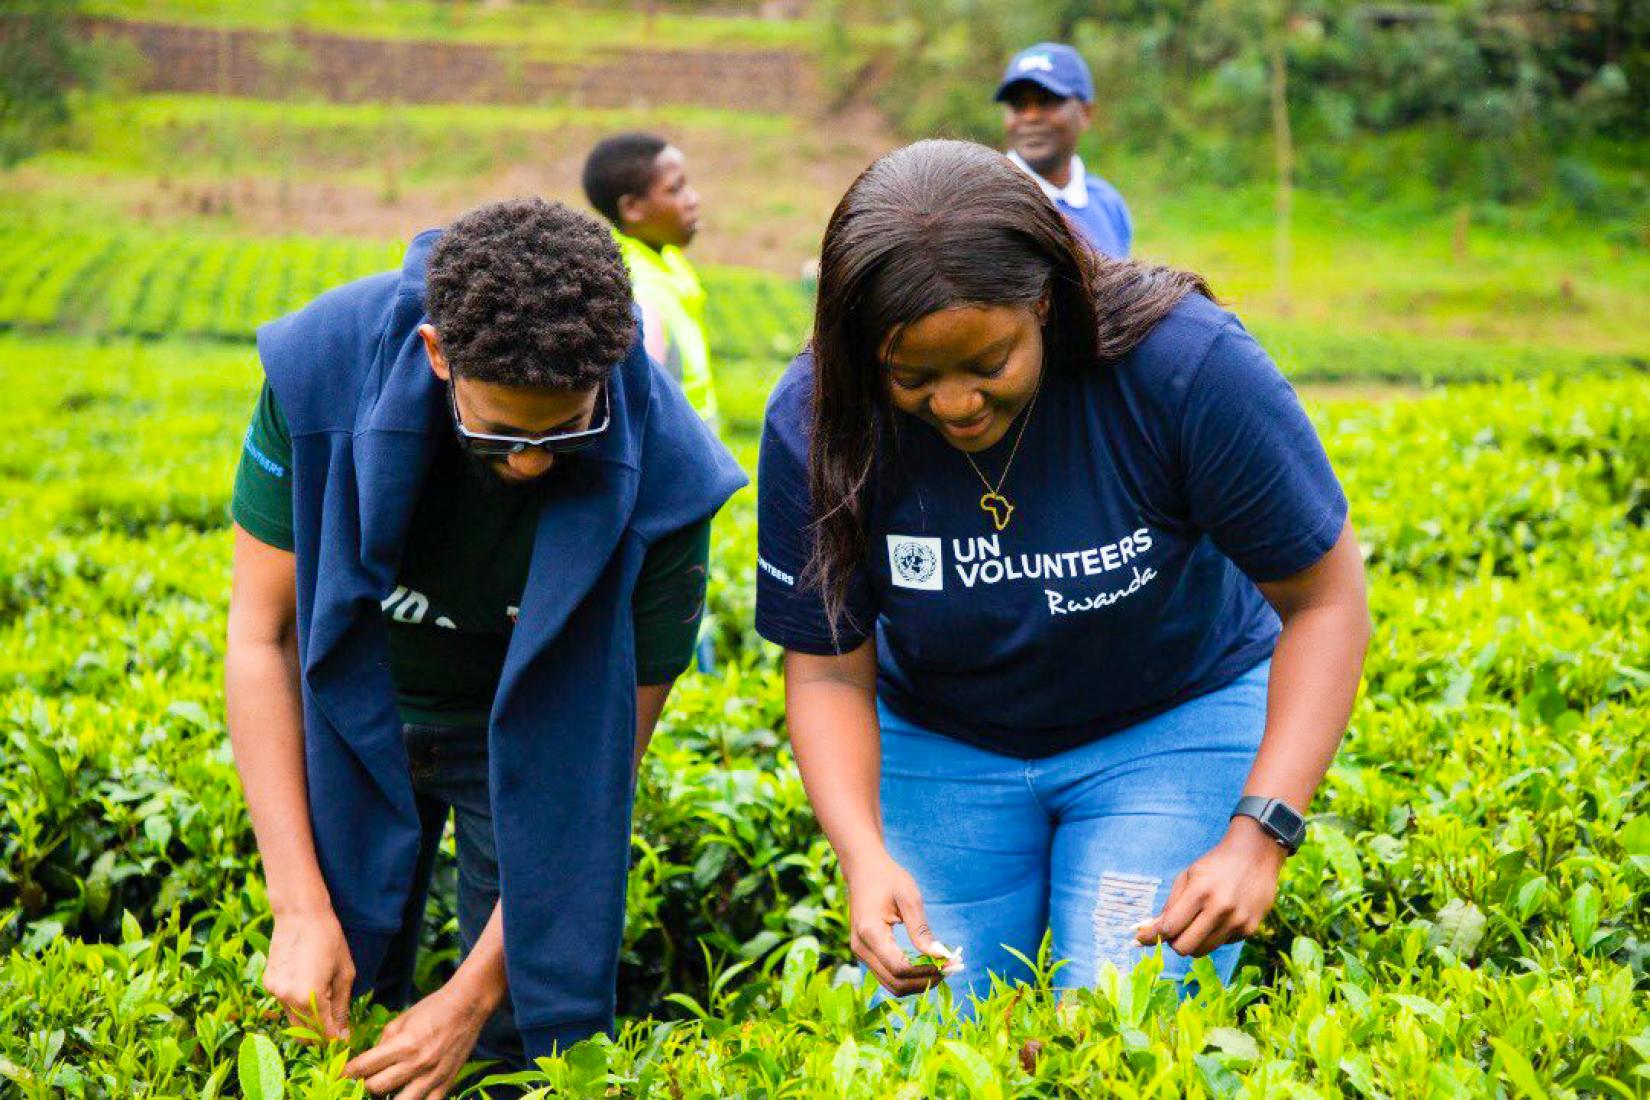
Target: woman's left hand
[(1223, 896)]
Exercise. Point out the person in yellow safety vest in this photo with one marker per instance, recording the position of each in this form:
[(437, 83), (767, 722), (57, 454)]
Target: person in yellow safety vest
[(638, 181)]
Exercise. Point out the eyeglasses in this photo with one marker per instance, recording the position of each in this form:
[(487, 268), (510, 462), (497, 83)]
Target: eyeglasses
[(501, 446)]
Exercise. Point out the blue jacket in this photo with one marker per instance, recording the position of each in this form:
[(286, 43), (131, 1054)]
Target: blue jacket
[(364, 409)]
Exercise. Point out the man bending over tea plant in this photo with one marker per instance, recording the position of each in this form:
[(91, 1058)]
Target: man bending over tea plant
[(470, 534)]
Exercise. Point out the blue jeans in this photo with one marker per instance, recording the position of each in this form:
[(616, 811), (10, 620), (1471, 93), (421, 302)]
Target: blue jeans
[(1086, 843), (449, 776)]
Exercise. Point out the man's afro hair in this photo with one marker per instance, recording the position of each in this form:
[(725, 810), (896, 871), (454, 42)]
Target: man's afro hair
[(530, 293)]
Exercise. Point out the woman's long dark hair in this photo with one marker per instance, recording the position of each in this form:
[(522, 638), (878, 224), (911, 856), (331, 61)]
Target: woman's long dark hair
[(928, 227)]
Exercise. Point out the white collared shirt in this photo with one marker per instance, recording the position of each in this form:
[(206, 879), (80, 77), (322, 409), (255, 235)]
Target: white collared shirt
[(1074, 194)]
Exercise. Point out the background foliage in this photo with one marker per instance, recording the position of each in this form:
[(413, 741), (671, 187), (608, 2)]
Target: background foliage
[(1490, 100), (41, 61)]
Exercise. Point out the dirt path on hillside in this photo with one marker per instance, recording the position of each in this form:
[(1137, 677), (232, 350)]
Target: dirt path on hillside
[(302, 64), (766, 199), (768, 190)]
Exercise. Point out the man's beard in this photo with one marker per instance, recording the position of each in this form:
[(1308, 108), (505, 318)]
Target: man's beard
[(484, 471)]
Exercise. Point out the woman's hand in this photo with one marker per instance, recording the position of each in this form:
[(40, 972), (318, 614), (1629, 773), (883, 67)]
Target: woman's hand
[(420, 1053), (1223, 896), (310, 971), (882, 894), (830, 703)]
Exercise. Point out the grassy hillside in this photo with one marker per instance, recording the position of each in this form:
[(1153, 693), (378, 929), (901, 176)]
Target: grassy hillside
[(1505, 276), (203, 163)]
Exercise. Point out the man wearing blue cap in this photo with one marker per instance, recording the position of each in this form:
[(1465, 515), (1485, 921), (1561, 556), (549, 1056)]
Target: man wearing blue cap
[(1047, 94)]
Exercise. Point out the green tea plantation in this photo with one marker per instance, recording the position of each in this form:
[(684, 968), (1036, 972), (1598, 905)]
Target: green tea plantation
[(137, 282), (1470, 916)]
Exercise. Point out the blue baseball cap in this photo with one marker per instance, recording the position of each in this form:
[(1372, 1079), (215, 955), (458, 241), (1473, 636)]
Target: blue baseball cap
[(1052, 65)]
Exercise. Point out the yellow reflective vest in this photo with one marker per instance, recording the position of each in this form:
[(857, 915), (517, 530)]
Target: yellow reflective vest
[(666, 283)]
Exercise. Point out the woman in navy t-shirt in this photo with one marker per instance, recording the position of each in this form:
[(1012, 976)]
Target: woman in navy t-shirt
[(1061, 572)]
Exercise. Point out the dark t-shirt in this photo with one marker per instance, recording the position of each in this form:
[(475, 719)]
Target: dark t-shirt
[(463, 570), (1150, 495)]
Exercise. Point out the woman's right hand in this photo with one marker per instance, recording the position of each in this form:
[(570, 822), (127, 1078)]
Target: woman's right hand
[(882, 894), (310, 971), (831, 707)]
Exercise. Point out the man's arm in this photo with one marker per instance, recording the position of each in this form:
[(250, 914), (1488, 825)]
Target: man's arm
[(666, 611), (1123, 220), (650, 704), (421, 1051), (309, 968)]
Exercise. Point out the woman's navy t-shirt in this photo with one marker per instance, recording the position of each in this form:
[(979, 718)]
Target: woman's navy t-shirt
[(1149, 495)]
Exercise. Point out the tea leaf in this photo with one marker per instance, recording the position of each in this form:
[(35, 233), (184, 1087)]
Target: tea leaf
[(1459, 928), (1584, 913), (1635, 836), (1517, 1069), (259, 1069), (1237, 1045)]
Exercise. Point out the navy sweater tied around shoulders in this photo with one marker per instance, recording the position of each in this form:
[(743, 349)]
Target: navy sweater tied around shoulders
[(364, 410)]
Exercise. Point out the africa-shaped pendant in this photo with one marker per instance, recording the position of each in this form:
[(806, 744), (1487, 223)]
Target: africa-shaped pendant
[(998, 508)]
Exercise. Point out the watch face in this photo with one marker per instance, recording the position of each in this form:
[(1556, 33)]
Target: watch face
[(1285, 820)]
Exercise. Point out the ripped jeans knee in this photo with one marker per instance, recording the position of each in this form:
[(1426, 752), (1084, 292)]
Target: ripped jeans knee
[(1124, 902)]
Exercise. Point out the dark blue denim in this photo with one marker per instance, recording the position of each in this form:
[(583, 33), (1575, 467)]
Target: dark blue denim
[(449, 776)]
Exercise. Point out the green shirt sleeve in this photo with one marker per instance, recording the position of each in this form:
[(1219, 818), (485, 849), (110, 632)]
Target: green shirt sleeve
[(669, 602), (262, 499)]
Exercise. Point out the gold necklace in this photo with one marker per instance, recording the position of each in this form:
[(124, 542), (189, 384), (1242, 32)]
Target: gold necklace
[(992, 502)]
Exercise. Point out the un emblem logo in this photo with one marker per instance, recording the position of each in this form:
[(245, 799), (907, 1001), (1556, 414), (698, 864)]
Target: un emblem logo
[(914, 562)]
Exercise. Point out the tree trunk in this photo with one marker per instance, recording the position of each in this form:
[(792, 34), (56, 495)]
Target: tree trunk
[(1458, 242)]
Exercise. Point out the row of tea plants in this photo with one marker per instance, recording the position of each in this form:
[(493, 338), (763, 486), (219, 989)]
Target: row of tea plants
[(136, 282)]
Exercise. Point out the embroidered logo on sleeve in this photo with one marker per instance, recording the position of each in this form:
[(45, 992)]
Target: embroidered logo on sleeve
[(915, 562)]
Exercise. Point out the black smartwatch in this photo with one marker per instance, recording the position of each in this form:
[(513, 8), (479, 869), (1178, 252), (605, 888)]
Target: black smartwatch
[(1277, 817)]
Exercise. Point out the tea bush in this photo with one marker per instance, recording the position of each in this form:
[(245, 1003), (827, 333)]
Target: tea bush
[(138, 283), (1468, 917)]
